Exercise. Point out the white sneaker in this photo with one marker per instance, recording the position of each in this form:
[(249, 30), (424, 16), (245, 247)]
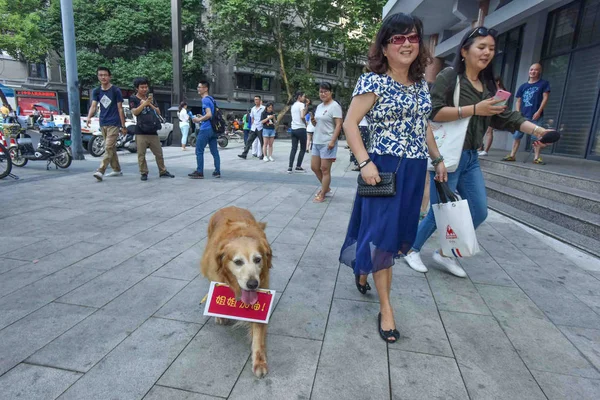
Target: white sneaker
[(271, 158), (483, 153), (450, 264), (414, 261), (98, 175), (266, 159), (115, 173)]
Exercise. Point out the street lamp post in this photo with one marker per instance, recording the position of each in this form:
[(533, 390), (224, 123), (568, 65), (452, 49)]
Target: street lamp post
[(177, 92)]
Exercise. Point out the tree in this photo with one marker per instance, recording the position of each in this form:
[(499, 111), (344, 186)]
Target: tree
[(20, 33), (131, 37)]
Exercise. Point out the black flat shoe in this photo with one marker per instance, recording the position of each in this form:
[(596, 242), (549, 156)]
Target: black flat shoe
[(390, 336), (361, 288)]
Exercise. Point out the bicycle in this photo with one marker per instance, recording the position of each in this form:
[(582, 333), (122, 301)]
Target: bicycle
[(5, 162)]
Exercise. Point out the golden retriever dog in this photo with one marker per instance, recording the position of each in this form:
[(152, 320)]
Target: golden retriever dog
[(238, 254)]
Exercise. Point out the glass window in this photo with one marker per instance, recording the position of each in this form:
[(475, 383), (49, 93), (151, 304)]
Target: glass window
[(580, 102), (37, 70), (562, 25), (589, 31), (317, 64), (595, 150), (554, 71), (332, 67), (244, 81)]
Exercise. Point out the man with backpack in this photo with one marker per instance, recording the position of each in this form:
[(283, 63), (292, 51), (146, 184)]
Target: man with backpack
[(112, 119), (206, 134), (147, 126)]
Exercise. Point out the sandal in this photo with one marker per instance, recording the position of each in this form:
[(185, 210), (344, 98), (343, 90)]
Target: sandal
[(361, 288), (319, 199), (319, 192), (387, 335)]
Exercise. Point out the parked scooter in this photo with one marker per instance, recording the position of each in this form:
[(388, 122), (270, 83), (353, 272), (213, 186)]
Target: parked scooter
[(52, 148)]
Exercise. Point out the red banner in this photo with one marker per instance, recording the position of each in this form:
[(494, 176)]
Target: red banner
[(222, 303)]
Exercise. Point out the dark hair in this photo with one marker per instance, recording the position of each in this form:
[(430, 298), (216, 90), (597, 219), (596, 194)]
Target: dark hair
[(103, 69), (487, 74), (181, 105), (395, 24), (326, 86), (499, 84), (140, 81), (260, 98), (269, 104), (298, 94), (205, 83)]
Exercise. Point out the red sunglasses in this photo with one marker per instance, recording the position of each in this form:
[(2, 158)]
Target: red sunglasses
[(401, 39)]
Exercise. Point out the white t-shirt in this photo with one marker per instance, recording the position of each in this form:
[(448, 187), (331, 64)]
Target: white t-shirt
[(184, 117), (297, 120), (255, 114), (310, 128), (325, 114)]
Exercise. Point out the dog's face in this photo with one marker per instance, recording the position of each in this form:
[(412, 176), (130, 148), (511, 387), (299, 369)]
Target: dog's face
[(245, 262)]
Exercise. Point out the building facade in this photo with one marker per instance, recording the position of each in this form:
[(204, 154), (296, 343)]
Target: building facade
[(563, 35)]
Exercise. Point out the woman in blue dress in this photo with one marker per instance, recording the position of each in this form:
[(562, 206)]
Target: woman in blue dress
[(396, 100)]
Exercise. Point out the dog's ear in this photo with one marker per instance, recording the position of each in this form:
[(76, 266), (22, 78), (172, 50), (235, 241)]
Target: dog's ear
[(262, 225), (265, 250)]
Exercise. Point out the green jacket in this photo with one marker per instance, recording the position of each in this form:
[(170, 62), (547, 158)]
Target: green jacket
[(442, 96)]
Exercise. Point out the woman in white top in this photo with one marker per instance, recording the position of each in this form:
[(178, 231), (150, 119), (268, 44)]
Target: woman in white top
[(310, 128), (184, 124), (328, 125), (298, 112)]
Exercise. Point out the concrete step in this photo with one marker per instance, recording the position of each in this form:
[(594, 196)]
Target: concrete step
[(577, 198), (572, 218), (538, 174), (582, 242)]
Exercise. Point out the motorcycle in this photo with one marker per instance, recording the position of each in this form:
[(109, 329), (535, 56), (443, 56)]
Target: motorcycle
[(222, 140), (52, 149)]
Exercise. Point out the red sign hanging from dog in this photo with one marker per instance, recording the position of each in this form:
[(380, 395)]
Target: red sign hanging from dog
[(221, 302)]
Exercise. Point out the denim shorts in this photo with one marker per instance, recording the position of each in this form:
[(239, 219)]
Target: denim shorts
[(519, 135), (268, 132), (321, 150)]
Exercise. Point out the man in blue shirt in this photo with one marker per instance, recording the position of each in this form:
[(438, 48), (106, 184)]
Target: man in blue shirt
[(206, 135), (532, 98), (112, 119)]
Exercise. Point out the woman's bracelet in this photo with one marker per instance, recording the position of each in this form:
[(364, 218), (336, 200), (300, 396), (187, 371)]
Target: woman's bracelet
[(534, 129), (474, 109), (437, 160), (362, 164), (460, 116)]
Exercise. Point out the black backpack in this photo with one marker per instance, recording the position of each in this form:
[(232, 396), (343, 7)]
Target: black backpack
[(147, 121), (217, 121)]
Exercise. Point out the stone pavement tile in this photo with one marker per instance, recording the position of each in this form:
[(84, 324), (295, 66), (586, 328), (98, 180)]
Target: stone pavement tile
[(318, 255), (354, 361), (212, 362), (272, 232), (417, 318), (7, 264), (304, 306), (134, 366), (185, 305), (562, 307), (285, 261), (28, 299), (32, 272), (586, 340), (592, 301), (482, 268), (575, 280), (23, 338), (421, 376), (39, 249), (166, 393), (299, 236), (34, 382), (566, 387), (508, 302), (516, 235), (185, 266), (279, 219), (543, 347), (102, 289), (145, 262), (490, 366), (181, 241), (88, 342), (292, 365), (455, 294)]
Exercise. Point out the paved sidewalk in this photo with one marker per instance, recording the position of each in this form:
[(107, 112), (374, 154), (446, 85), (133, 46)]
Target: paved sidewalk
[(100, 285)]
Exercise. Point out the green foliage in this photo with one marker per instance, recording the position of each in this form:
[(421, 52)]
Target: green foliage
[(20, 33), (131, 37)]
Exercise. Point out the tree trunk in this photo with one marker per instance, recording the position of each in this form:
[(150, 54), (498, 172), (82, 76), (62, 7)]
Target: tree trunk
[(283, 74), (5, 101)]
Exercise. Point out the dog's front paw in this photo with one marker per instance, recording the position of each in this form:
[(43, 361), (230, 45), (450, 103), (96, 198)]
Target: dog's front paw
[(260, 369), (222, 321)]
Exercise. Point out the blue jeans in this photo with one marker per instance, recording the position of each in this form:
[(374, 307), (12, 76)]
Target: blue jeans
[(207, 136), (185, 130), (467, 180)]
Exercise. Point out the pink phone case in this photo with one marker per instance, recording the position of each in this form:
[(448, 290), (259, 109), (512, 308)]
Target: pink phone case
[(503, 96)]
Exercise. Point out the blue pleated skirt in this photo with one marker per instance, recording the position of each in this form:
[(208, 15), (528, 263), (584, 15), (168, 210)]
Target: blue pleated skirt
[(382, 227)]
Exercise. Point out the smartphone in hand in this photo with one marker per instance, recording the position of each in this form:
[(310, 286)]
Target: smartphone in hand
[(502, 97)]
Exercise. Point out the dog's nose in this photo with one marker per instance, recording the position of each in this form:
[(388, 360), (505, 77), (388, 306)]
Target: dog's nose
[(252, 284)]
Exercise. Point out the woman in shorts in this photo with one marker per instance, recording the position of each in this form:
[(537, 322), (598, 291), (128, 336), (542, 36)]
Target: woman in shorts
[(268, 120)]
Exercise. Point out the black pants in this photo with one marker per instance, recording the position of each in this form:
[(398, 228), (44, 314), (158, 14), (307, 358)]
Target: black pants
[(253, 135), (298, 135)]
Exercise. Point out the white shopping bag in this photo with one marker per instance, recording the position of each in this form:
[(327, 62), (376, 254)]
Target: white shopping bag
[(455, 226)]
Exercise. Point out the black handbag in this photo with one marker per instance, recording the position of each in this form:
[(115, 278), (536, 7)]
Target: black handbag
[(385, 188)]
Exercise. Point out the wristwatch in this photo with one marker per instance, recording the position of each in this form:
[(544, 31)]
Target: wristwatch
[(362, 164)]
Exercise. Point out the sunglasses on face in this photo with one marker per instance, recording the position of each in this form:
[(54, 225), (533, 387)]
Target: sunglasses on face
[(483, 31), (401, 39)]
